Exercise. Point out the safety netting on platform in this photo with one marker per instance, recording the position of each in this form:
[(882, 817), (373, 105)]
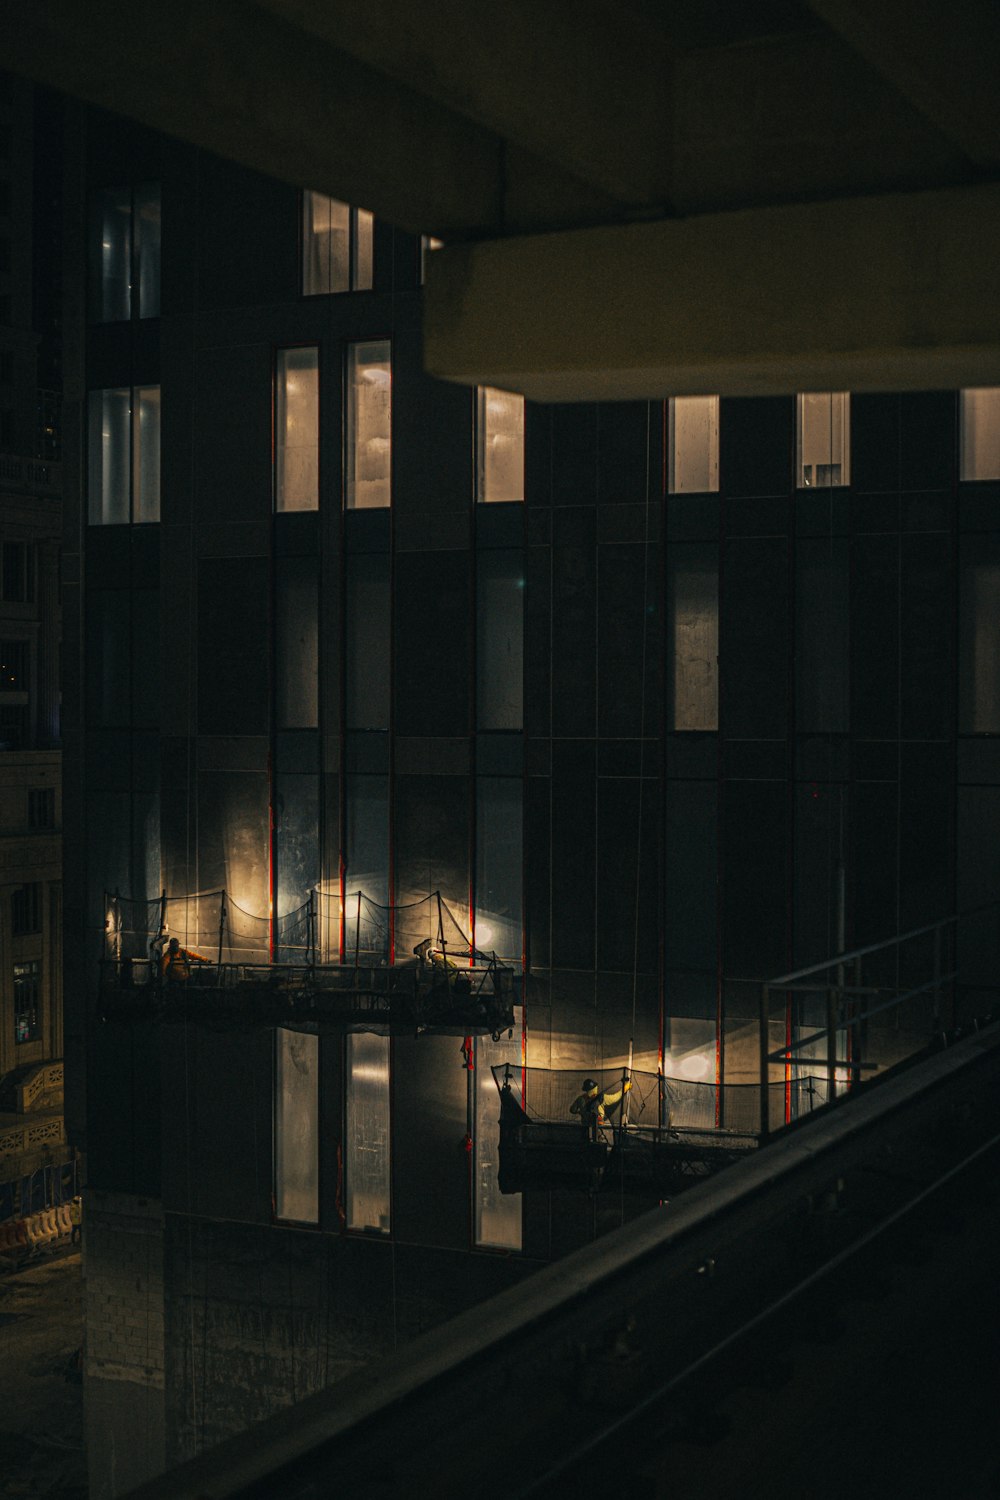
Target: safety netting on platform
[(655, 1102), (325, 929), (357, 930), (208, 925)]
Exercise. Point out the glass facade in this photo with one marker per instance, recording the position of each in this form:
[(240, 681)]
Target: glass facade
[(497, 1215), (693, 445), (499, 445), (123, 455), (296, 1127), (823, 439), (979, 433), (296, 427), (337, 246), (693, 636), (369, 425), (125, 253), (367, 1159), (500, 639)]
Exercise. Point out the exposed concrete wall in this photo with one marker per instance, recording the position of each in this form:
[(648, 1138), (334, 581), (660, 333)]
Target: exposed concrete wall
[(123, 1356)]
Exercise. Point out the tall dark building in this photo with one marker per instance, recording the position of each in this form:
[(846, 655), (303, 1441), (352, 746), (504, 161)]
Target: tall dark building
[(655, 698), (33, 1147)]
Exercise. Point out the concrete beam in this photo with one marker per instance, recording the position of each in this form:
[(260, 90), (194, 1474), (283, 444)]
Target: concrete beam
[(897, 292), (238, 81), (941, 58), (587, 88)]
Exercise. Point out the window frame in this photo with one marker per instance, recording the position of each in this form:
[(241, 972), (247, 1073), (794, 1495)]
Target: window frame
[(133, 464), (135, 314), (355, 260), (350, 442), (482, 427)]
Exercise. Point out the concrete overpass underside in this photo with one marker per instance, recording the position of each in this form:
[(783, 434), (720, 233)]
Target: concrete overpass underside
[(636, 199)]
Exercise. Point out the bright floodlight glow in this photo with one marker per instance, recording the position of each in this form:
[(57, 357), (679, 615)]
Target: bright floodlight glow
[(695, 1065)]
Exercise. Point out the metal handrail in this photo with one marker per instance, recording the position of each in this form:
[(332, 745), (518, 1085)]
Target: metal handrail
[(839, 989)]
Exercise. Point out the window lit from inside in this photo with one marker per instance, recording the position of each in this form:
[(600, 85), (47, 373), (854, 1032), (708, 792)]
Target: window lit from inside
[(368, 1163), (368, 480), (296, 425), (125, 253), (337, 244), (823, 439), (296, 1127), (499, 445), (979, 413), (693, 443), (123, 457)]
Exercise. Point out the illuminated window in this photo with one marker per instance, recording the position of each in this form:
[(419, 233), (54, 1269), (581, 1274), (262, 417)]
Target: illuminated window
[(27, 1010), (693, 616), (693, 438), (125, 253), (296, 426), (337, 245), (367, 1159), (499, 445), (124, 455), (296, 1127), (980, 433), (369, 425), (497, 1215), (823, 439)]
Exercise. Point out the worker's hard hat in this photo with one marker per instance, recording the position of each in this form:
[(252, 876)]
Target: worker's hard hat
[(589, 1083)]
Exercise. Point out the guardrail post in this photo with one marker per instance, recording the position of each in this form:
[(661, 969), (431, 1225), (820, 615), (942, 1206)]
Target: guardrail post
[(831, 1042), (765, 1025)]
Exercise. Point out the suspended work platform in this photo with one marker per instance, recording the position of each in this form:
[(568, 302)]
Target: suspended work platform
[(331, 964), (674, 1133)]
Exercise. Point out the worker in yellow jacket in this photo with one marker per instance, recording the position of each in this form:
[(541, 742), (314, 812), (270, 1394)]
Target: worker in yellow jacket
[(593, 1103)]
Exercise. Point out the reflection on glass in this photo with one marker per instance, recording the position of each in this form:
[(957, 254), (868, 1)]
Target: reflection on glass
[(111, 255), (366, 646), (823, 420), (146, 454), (500, 639), (499, 866), (693, 614), (336, 246), (367, 837), (980, 433), (979, 648), (497, 1215), (296, 424), (367, 1161), (108, 457), (296, 1127), (499, 445), (822, 633), (297, 644), (693, 438), (369, 425), (147, 248)]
